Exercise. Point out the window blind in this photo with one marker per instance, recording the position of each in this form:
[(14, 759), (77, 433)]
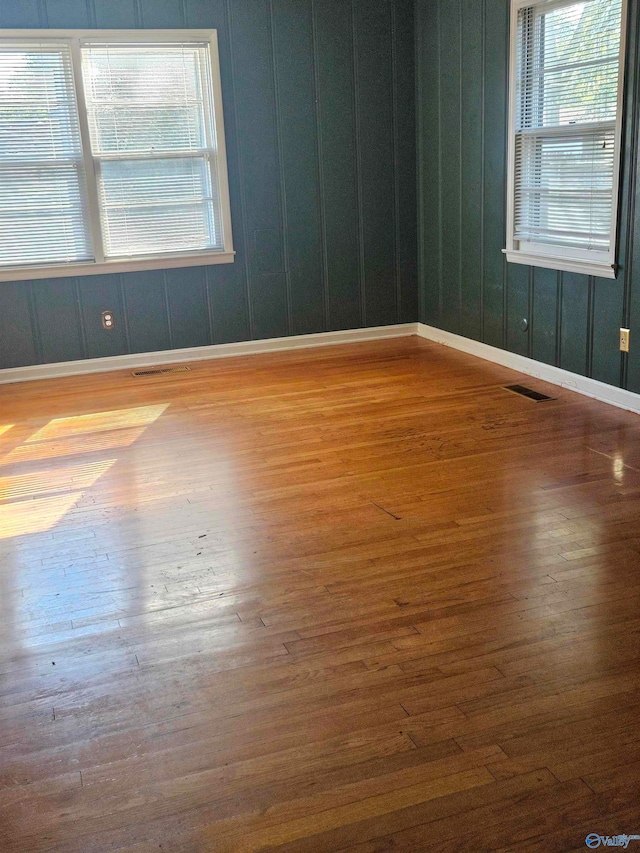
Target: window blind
[(150, 115), (567, 67), (42, 181)]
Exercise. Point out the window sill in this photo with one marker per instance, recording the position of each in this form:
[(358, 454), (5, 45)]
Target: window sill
[(601, 270), (130, 265)]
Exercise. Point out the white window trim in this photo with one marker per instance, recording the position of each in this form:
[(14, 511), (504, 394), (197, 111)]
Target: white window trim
[(551, 257), (151, 262)]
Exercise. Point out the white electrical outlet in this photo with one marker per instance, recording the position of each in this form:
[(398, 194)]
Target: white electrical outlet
[(624, 340)]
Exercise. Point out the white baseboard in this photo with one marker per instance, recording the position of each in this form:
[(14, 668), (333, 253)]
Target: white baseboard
[(155, 359), (547, 372), (554, 375)]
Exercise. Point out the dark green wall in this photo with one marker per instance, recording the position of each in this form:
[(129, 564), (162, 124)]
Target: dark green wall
[(466, 287), (320, 121)]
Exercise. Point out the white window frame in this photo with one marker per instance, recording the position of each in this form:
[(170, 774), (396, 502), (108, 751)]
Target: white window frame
[(75, 39), (560, 257)]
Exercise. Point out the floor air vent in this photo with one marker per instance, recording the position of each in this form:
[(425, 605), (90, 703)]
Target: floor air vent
[(154, 371), (528, 392)]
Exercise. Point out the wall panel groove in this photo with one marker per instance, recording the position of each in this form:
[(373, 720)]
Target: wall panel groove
[(396, 183), (83, 333), (34, 325), (483, 59), (239, 220), (358, 160), (439, 154), (283, 186), (320, 173)]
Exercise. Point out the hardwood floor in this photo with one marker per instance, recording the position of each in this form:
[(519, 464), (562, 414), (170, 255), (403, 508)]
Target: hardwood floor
[(353, 598)]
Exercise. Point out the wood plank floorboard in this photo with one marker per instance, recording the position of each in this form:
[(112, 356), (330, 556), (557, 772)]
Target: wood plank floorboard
[(356, 598)]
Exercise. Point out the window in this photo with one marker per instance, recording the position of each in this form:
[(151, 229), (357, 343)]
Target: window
[(564, 134), (112, 152)]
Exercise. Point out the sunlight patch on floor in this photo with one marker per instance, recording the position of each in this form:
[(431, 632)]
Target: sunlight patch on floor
[(28, 503), (99, 422), (73, 477), (73, 446), (34, 516)]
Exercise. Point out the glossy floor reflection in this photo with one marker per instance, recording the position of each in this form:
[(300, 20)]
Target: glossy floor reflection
[(353, 598)]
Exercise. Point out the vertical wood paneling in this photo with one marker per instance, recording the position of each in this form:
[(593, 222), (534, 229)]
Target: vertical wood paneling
[(20, 13), (451, 130), (57, 319), (100, 293), (544, 317), (206, 13), (188, 309), (471, 169), (575, 306), (495, 101), (228, 303), (227, 285), (163, 14), (294, 59), (17, 341), (260, 171), (116, 15), (629, 179), (228, 300), (337, 136), (462, 110), (405, 158), (518, 283), (429, 158), (67, 13), (632, 366), (374, 94), (633, 359), (146, 309), (293, 147), (256, 119), (608, 301), (270, 306)]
